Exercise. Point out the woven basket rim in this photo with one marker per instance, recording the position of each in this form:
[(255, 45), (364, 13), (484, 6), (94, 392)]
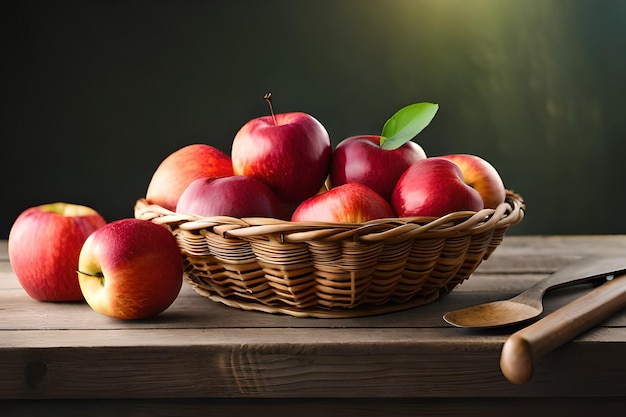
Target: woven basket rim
[(506, 214)]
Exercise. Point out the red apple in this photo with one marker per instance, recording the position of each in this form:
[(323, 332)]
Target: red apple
[(290, 152), (183, 166), (236, 196), (361, 159), (44, 245), (348, 203), (482, 176), (433, 187), (130, 269)]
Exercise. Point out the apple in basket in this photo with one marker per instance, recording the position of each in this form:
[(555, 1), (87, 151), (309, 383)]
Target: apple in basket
[(130, 269), (183, 166), (236, 196), (290, 152), (347, 203), (482, 176), (378, 161), (433, 187), (44, 245), (361, 159)]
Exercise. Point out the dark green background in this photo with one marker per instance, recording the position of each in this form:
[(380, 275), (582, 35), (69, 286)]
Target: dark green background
[(96, 93)]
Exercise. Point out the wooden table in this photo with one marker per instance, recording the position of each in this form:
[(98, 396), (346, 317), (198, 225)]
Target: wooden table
[(203, 358)]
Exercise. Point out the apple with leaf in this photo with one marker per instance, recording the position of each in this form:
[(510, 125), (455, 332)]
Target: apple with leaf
[(378, 161)]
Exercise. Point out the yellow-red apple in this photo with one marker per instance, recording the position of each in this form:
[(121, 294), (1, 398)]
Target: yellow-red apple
[(433, 187), (236, 196), (44, 245), (130, 269), (290, 152), (183, 166), (362, 159), (347, 203), (482, 176)]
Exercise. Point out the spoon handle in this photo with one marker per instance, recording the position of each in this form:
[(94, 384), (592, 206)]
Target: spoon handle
[(585, 270), (525, 348)]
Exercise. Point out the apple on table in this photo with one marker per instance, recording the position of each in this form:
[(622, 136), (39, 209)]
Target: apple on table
[(290, 152), (44, 246), (130, 269)]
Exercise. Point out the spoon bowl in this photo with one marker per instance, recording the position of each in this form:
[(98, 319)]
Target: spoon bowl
[(495, 313), (529, 304)]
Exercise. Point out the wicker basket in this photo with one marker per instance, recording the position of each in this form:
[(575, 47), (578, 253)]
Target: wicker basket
[(333, 269)]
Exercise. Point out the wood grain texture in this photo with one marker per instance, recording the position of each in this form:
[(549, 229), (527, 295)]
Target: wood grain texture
[(219, 363), (200, 350)]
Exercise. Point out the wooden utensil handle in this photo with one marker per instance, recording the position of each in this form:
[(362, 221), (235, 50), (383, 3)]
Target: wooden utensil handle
[(587, 269), (525, 348)]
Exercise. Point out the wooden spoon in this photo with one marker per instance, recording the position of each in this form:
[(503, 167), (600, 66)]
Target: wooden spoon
[(522, 350), (529, 304)]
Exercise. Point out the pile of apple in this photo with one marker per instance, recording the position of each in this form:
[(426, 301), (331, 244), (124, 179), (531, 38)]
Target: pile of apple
[(282, 166)]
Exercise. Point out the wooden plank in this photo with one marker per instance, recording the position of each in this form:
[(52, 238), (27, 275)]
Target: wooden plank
[(569, 245), (315, 363), (192, 311), (545, 254), (4, 250)]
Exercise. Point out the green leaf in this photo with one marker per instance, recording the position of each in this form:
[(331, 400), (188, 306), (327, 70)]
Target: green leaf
[(406, 124)]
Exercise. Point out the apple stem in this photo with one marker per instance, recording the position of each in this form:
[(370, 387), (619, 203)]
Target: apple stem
[(268, 98), (97, 274)]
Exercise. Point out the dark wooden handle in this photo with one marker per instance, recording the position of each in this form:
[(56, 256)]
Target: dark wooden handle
[(525, 348)]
